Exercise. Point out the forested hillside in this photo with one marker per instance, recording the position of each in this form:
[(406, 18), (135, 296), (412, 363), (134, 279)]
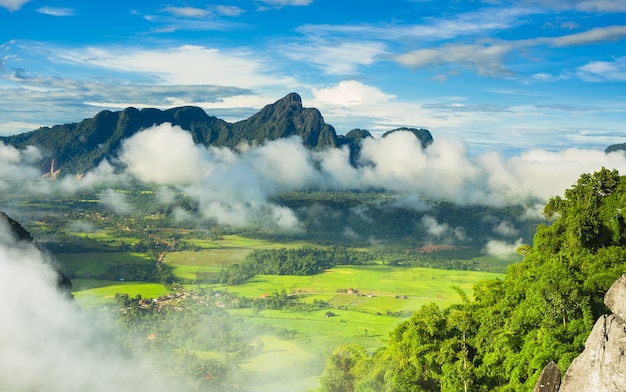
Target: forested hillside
[(501, 339), (79, 147)]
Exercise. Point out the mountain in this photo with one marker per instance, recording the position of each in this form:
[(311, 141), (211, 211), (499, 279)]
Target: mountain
[(422, 134), (616, 147), (78, 147)]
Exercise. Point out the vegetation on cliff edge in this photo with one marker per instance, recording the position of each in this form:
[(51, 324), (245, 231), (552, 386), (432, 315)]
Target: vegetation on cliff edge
[(501, 340)]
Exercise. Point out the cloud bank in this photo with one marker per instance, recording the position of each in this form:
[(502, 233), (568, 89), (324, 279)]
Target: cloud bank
[(235, 186), (49, 344)]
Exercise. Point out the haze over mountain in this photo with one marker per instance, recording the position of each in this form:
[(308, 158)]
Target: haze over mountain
[(79, 147)]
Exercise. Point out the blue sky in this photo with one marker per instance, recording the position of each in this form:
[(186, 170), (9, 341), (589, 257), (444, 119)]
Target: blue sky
[(503, 76)]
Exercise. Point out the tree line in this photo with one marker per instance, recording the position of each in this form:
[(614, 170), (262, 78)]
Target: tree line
[(304, 261)]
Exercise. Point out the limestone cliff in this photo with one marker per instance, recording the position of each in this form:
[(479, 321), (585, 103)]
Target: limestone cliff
[(602, 365)]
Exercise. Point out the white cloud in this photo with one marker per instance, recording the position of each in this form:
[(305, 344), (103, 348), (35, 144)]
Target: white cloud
[(229, 10), (501, 248), (116, 201), (442, 231), (433, 227), (350, 93), (231, 187), (481, 22), (338, 59), (604, 71), (601, 5), (187, 12), (283, 3), (235, 187), (16, 165), (182, 65), (506, 229), (13, 5), (56, 11), (582, 5), (486, 60), (597, 35), (163, 155)]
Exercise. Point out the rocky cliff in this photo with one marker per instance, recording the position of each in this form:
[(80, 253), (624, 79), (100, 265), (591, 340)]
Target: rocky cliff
[(602, 365)]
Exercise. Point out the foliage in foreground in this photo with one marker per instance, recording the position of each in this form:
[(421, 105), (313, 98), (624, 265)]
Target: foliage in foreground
[(543, 310)]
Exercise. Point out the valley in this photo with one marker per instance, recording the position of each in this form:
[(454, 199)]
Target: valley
[(278, 264), (155, 270)]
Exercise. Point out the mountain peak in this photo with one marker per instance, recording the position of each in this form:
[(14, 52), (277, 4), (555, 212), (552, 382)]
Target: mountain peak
[(292, 99), (78, 147)]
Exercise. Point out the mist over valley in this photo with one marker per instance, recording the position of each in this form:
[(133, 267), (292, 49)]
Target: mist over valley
[(249, 256)]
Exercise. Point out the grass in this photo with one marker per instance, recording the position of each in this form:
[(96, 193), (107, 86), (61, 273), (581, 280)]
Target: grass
[(379, 285), (217, 254), (94, 263), (276, 354), (89, 292), (216, 257)]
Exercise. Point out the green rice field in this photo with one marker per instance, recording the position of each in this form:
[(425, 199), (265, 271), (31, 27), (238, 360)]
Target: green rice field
[(367, 301)]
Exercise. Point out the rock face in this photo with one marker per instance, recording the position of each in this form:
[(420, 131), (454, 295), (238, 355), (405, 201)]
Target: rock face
[(549, 380), (602, 365)]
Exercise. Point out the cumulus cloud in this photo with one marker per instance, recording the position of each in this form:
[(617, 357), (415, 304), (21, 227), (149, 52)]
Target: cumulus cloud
[(164, 154), (16, 165), (236, 186), (48, 343), (350, 93), (229, 186), (442, 231)]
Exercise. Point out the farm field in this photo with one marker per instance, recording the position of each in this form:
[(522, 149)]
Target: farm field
[(368, 301), (365, 302)]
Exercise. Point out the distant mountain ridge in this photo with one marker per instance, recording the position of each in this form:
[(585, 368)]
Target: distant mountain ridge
[(78, 147), (616, 147)]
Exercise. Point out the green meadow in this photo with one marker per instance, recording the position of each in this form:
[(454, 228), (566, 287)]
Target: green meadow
[(94, 263), (90, 292), (367, 301)]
